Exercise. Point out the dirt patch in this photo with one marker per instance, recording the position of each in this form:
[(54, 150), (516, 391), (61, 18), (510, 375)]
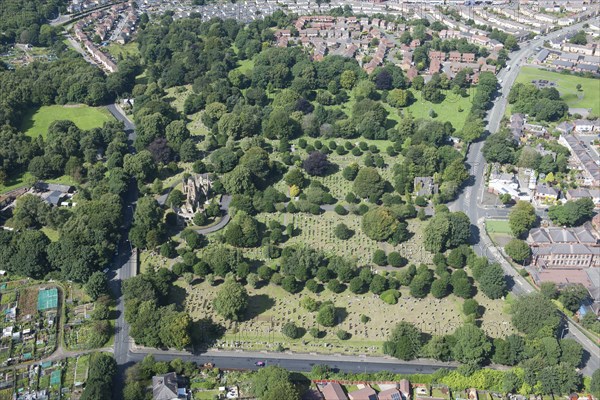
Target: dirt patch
[(27, 302)]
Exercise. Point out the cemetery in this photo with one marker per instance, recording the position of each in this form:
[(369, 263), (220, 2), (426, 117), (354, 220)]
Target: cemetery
[(270, 307)]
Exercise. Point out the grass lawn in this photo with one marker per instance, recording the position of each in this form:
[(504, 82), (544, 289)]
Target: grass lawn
[(498, 226), (499, 231), (119, 51), (589, 97), (448, 110), (245, 65), (51, 233), (26, 178), (36, 122)]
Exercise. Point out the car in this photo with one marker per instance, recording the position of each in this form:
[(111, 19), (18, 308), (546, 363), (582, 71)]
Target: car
[(260, 363), (105, 270)]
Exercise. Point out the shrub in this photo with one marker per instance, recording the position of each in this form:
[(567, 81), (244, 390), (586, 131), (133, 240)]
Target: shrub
[(342, 232), (390, 296), (340, 210), (471, 306), (343, 335), (364, 319)]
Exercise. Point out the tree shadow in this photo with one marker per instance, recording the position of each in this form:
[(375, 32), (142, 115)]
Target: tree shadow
[(205, 332), (257, 305), (177, 296), (475, 234), (340, 315)]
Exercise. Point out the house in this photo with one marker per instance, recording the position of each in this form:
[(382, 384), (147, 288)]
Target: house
[(390, 394), (564, 248), (468, 57), (455, 56), (405, 389), (540, 58), (586, 126), (545, 193), (565, 127), (435, 66), (366, 393), (560, 64), (167, 387), (581, 193), (517, 123), (333, 391), (425, 186)]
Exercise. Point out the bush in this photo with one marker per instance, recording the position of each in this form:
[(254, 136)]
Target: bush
[(340, 210), (343, 335), (364, 319), (342, 232), (421, 201), (290, 284), (291, 330), (390, 296), (314, 332)]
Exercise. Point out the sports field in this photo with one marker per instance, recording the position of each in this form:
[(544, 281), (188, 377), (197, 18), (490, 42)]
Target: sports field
[(588, 97), (36, 122)]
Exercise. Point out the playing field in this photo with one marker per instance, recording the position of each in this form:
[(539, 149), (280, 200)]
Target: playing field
[(37, 122), (497, 226), (588, 97)]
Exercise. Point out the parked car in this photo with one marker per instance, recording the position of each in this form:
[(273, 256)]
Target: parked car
[(260, 363)]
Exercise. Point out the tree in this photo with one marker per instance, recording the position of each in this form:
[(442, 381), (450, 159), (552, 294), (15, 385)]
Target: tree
[(357, 285), (347, 79), (350, 172), (295, 177), (379, 223), (96, 285), (316, 164), (291, 330), (492, 281), (290, 284), (368, 184), (549, 290), (269, 382), (579, 38), (471, 307), (140, 165), (379, 257), (441, 287), (378, 284), (535, 315), (174, 328), (404, 342), (395, 259), (327, 315), (103, 368), (342, 232), (400, 98), (471, 345), (595, 383), (521, 218), (30, 256), (572, 213), (573, 296), (231, 300), (571, 352), (518, 250)]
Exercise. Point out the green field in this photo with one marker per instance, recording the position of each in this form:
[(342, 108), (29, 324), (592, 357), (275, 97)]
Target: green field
[(497, 226), (36, 122), (120, 51), (589, 97)]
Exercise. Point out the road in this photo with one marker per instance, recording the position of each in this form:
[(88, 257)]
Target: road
[(301, 362), (469, 200)]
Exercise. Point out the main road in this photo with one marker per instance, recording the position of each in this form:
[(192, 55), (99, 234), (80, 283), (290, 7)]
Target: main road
[(469, 200)]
